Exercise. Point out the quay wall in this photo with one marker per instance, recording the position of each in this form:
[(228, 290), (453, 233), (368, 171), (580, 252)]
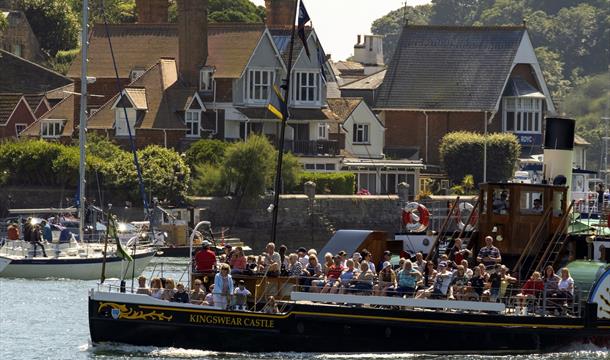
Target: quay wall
[(301, 222)]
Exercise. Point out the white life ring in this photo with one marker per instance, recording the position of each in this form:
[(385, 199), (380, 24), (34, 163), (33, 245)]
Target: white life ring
[(466, 208), (415, 217)]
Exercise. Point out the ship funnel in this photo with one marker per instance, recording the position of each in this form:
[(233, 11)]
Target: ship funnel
[(558, 151)]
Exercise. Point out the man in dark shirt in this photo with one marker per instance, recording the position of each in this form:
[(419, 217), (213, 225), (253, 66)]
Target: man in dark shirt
[(35, 238), (181, 296), (205, 259)]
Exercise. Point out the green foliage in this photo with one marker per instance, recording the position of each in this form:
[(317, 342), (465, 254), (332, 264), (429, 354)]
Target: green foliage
[(42, 163), (3, 24), (62, 60), (291, 170), (228, 11), (206, 151), (571, 36), (462, 155), (54, 22), (337, 183), (467, 186), (248, 166), (208, 180), (588, 103)]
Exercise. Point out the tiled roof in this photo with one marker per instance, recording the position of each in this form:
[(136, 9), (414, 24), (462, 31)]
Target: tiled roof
[(137, 97), (343, 107), (281, 38), (34, 100), (449, 68), (22, 76), (370, 82), (8, 102), (142, 45), (64, 110), (162, 99)]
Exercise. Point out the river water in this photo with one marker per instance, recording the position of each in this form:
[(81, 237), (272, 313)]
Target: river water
[(47, 319)]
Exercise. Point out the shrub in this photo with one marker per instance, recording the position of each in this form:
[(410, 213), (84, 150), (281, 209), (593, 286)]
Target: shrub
[(337, 183), (207, 180), (291, 171), (206, 151), (462, 154)]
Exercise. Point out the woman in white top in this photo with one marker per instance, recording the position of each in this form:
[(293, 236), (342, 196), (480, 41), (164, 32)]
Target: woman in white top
[(156, 290), (566, 284)]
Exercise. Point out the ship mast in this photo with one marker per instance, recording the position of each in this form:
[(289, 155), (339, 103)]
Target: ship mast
[(82, 135)]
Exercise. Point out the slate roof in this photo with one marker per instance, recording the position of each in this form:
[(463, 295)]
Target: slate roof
[(281, 38), (370, 82), (230, 46), (8, 102), (22, 76), (449, 68)]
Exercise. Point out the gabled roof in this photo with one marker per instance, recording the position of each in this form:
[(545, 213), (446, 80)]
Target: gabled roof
[(141, 45), (164, 96), (22, 76), (343, 107), (450, 68), (281, 38), (64, 110), (370, 82), (8, 102)]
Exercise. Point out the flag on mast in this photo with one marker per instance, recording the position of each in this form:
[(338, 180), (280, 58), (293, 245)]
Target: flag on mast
[(303, 19), (114, 234), (277, 103)]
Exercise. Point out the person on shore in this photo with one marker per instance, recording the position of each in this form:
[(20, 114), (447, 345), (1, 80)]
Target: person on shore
[(223, 287), (241, 296), (489, 254), (181, 296), (198, 293), (205, 259), (142, 288)]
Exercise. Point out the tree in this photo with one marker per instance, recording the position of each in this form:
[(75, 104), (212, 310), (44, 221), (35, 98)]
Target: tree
[(228, 11), (3, 24), (206, 151), (552, 70), (54, 23), (454, 12), (462, 155)]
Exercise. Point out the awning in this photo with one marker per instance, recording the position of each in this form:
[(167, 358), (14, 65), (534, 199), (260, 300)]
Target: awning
[(372, 164)]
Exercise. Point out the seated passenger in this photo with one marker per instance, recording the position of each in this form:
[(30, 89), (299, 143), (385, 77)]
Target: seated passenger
[(197, 294), (303, 257), (209, 297), (551, 282), (387, 280), (332, 276), (251, 266), (181, 296), (532, 289), (205, 259), (313, 272), (565, 287), (294, 267), (368, 258), (12, 232), (500, 206), (241, 296), (429, 274), (238, 261), (440, 289), (168, 290), (477, 284), (272, 260), (495, 280), (420, 263), (537, 208), (156, 289), (408, 278), (271, 306), (142, 288), (345, 278), (459, 283), (363, 284)]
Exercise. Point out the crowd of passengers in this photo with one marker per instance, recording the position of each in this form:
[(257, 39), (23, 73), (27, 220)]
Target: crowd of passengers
[(450, 277)]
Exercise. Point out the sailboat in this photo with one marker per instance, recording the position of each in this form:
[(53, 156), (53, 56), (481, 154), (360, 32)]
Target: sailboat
[(76, 260)]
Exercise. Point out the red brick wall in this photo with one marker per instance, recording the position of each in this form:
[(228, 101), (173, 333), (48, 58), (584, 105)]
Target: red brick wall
[(407, 129), (21, 115), (279, 12)]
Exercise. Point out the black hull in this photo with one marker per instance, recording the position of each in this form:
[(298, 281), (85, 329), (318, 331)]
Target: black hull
[(321, 328), (174, 251)]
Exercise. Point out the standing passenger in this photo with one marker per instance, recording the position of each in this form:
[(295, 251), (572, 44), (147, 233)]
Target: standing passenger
[(223, 287)]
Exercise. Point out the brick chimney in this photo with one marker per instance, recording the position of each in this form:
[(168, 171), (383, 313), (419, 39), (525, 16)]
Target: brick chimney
[(280, 13), (192, 39), (152, 11)]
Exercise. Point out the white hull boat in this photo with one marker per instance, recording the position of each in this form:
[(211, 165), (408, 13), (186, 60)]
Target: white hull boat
[(84, 262)]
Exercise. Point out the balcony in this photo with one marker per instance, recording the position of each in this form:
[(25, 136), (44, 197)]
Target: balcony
[(312, 147)]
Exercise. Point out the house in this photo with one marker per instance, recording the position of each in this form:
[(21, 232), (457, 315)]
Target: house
[(365, 88), (18, 38), (451, 78), (580, 152), (367, 60), (27, 91)]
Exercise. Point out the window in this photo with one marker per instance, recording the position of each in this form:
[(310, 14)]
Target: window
[(192, 121), (322, 131), (121, 123), (306, 87), (17, 49), (52, 128), (206, 79), (361, 134), (531, 202), (523, 115), (259, 85), (330, 167), (19, 128), (135, 74), (310, 166)]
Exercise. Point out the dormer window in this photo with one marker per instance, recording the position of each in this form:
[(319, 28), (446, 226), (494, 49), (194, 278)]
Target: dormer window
[(306, 88), (125, 117), (206, 79), (192, 116), (135, 74), (51, 129), (258, 85)]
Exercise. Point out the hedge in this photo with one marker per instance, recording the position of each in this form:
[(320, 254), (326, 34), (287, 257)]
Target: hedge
[(462, 154), (336, 183)]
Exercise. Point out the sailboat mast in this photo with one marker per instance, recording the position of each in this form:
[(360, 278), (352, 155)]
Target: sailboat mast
[(82, 135)]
